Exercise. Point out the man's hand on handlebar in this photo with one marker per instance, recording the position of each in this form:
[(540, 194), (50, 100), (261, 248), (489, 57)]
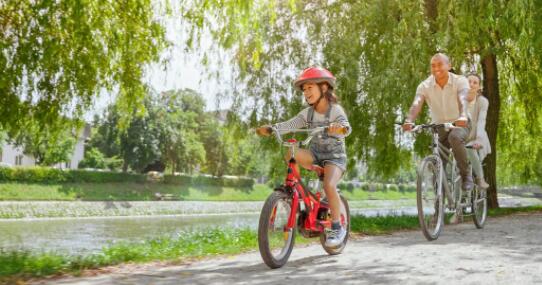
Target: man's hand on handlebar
[(264, 131), (461, 122), (337, 129)]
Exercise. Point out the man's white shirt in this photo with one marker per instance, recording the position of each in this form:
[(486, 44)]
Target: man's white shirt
[(443, 102)]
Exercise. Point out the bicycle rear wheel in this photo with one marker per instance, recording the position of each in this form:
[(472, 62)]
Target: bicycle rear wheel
[(274, 240), (479, 207), (429, 197)]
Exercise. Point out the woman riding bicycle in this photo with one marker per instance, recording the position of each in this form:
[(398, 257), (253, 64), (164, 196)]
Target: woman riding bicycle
[(326, 150), (477, 138)]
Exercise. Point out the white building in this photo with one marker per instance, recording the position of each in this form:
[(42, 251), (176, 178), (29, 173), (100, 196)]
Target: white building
[(11, 155)]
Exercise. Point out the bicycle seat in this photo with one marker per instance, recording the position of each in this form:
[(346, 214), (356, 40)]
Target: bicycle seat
[(318, 169)]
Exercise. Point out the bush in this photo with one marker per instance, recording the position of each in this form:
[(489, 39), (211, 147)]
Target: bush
[(78, 176), (393, 187), (32, 174), (239, 182), (93, 159), (407, 187), (114, 163), (178, 179), (53, 175), (209, 181), (347, 186)]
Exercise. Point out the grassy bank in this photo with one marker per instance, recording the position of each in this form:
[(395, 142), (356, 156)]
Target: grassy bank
[(147, 192), (15, 265), (127, 192)]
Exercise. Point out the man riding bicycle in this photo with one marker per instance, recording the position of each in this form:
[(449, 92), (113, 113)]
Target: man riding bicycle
[(446, 95)]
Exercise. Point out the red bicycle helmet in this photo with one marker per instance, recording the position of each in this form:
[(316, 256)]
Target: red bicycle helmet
[(316, 75)]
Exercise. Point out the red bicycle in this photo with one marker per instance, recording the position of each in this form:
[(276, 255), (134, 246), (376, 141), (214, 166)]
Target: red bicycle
[(292, 206)]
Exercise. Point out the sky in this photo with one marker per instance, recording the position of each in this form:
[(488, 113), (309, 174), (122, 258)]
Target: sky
[(183, 69)]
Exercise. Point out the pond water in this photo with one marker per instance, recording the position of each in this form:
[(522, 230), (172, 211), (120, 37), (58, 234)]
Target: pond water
[(84, 235)]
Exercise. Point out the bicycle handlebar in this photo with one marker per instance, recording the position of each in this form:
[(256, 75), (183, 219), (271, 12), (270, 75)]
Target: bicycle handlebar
[(312, 133), (419, 128)]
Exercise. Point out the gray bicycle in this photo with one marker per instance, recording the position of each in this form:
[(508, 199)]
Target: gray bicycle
[(434, 182)]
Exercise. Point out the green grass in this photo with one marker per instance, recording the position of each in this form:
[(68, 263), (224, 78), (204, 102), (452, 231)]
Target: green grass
[(382, 224), (17, 265), (127, 192), (359, 194), (509, 211), (196, 244), (146, 192)]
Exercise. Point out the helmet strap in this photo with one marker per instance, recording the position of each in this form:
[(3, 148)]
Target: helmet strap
[(315, 104)]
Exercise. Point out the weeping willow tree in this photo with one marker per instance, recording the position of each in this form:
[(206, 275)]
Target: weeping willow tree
[(57, 56), (380, 51)]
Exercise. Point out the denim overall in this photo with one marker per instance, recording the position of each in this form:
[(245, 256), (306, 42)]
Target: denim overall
[(326, 148)]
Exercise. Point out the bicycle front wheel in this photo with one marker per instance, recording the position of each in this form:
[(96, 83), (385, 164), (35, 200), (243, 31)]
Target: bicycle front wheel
[(429, 197), (479, 207), (275, 241)]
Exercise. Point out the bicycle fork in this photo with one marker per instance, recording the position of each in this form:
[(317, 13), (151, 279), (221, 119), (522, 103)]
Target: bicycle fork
[(292, 218)]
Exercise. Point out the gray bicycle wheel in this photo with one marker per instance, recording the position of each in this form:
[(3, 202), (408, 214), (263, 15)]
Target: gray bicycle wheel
[(479, 207), (275, 243), (430, 201)]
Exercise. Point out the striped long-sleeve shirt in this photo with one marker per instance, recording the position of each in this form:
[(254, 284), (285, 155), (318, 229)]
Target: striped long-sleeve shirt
[(337, 115)]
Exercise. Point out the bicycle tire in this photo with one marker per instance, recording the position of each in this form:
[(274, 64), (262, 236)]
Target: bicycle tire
[(479, 207), (267, 220), (431, 219)]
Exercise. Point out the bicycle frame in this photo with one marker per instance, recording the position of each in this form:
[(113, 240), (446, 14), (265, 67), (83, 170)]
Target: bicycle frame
[(431, 223), (310, 201), (440, 151)]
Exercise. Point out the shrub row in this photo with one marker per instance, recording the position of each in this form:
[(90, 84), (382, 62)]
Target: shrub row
[(52, 175), (210, 181), (373, 187), (48, 175)]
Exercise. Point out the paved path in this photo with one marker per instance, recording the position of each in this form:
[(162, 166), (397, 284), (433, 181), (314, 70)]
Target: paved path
[(507, 251)]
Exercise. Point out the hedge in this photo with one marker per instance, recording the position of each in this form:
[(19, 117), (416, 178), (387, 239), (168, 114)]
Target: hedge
[(105, 176), (209, 181), (48, 175), (375, 187), (53, 175)]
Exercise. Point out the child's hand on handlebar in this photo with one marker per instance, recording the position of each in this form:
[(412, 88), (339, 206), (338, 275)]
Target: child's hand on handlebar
[(264, 131), (337, 129)]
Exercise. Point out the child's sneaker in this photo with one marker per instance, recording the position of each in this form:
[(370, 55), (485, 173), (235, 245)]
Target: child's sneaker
[(334, 238)]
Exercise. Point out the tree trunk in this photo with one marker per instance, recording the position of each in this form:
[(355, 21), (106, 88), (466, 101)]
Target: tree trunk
[(491, 91)]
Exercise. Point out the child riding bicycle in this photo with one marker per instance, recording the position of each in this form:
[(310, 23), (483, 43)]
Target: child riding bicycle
[(328, 149)]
